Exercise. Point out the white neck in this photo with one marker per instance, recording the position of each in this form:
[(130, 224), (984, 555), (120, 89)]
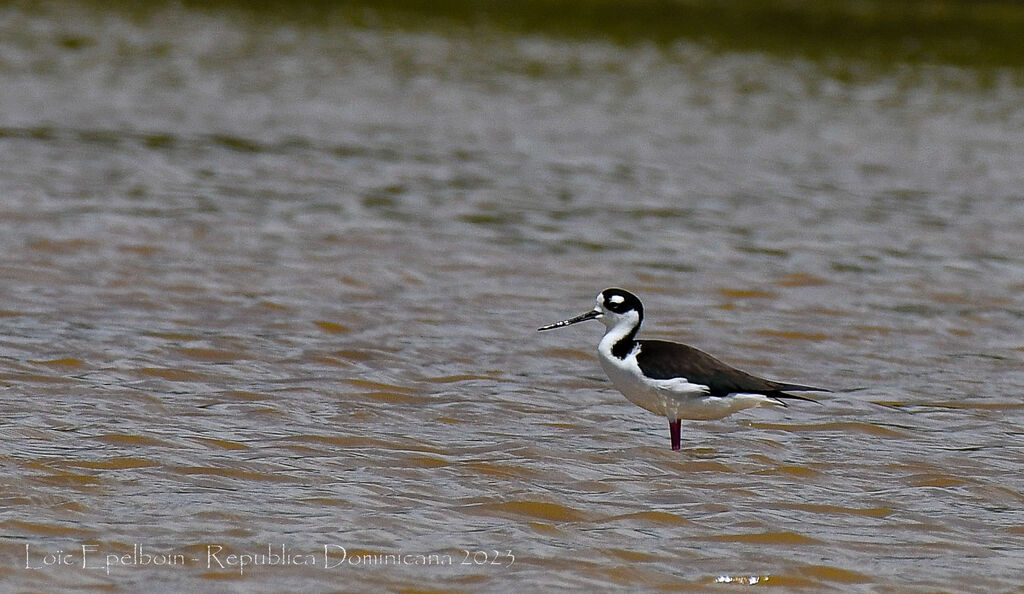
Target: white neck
[(621, 328)]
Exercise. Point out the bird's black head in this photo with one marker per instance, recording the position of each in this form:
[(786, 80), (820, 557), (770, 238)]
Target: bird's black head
[(620, 301), (614, 307)]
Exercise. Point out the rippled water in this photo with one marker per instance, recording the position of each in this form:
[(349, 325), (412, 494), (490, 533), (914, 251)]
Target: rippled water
[(270, 285)]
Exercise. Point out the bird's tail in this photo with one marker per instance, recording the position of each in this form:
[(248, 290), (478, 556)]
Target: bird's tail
[(799, 388), (780, 395)]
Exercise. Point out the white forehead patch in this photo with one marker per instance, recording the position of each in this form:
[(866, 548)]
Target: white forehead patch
[(616, 299)]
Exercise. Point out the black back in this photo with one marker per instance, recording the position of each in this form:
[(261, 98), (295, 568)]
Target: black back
[(660, 359)]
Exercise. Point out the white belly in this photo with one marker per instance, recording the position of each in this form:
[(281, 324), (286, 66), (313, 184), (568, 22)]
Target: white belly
[(674, 398)]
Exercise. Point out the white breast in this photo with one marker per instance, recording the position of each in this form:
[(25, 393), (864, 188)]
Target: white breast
[(675, 398), (661, 397)]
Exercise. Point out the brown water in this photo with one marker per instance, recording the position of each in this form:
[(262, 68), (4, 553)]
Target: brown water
[(270, 285)]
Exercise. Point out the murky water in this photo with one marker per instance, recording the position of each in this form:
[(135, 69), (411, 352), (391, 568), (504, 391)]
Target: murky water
[(269, 298)]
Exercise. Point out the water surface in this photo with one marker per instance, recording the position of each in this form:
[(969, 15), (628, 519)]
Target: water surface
[(268, 285)]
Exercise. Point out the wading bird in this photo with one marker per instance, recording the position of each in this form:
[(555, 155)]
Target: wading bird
[(672, 379)]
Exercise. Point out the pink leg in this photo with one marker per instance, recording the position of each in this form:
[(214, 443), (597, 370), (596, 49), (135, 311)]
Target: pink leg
[(673, 429)]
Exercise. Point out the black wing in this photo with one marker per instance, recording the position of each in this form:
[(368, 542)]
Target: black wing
[(660, 359)]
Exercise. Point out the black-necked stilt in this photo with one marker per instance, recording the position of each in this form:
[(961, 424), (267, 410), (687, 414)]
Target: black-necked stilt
[(672, 379)]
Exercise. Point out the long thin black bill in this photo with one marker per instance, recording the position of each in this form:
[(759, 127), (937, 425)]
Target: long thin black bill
[(590, 315)]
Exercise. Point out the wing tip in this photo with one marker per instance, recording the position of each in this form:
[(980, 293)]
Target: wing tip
[(800, 388), (780, 395)]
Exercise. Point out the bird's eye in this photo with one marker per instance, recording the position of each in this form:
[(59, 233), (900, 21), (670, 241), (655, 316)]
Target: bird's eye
[(615, 302)]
